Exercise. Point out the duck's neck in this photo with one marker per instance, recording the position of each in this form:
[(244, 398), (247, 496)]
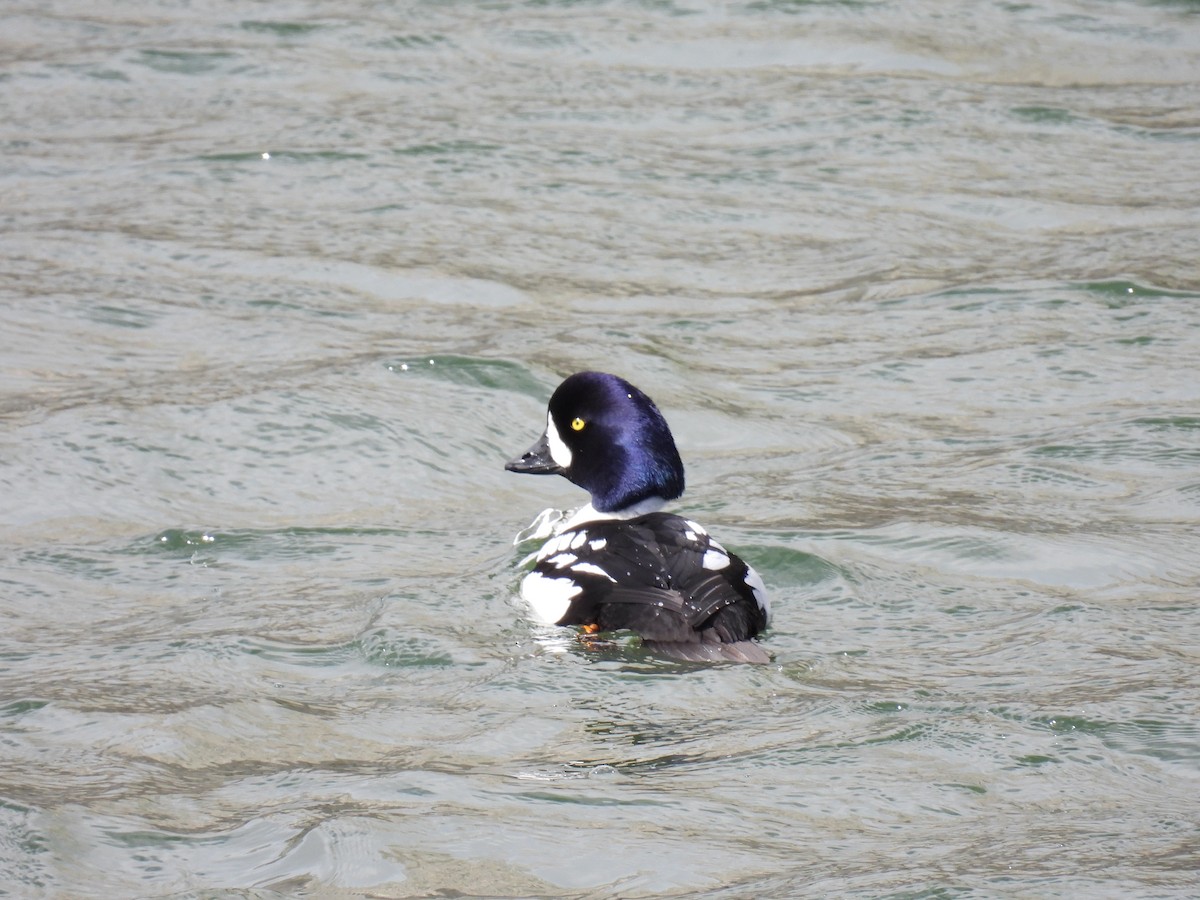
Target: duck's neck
[(589, 513)]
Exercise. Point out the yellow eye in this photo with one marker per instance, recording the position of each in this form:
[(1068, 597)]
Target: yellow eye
[(577, 424)]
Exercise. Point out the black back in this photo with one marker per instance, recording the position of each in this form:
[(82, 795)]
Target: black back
[(655, 583)]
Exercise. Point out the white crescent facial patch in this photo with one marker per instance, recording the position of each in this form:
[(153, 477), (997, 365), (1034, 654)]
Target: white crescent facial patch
[(559, 451)]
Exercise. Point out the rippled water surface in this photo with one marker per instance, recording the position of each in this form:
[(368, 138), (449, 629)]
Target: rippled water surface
[(283, 285)]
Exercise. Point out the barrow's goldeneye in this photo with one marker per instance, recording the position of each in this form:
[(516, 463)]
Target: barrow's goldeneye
[(619, 563)]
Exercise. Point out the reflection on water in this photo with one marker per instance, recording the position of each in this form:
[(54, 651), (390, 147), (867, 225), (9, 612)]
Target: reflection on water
[(915, 286)]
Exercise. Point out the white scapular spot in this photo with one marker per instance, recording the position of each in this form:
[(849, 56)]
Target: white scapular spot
[(562, 560), (714, 560), (699, 529), (577, 539), (598, 544), (552, 546)]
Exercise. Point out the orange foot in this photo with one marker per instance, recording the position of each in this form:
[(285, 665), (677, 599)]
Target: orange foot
[(589, 636)]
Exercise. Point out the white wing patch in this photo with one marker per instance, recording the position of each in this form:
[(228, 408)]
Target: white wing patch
[(593, 569), (755, 583), (548, 598)]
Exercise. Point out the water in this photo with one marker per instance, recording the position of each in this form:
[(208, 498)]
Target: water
[(283, 286)]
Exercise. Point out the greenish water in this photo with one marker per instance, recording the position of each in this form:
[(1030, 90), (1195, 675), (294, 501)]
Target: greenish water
[(283, 288)]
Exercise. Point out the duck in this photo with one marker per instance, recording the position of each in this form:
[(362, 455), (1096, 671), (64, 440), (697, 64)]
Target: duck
[(620, 563)]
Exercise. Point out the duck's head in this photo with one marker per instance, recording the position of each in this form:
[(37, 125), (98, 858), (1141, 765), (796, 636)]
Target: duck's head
[(609, 438)]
